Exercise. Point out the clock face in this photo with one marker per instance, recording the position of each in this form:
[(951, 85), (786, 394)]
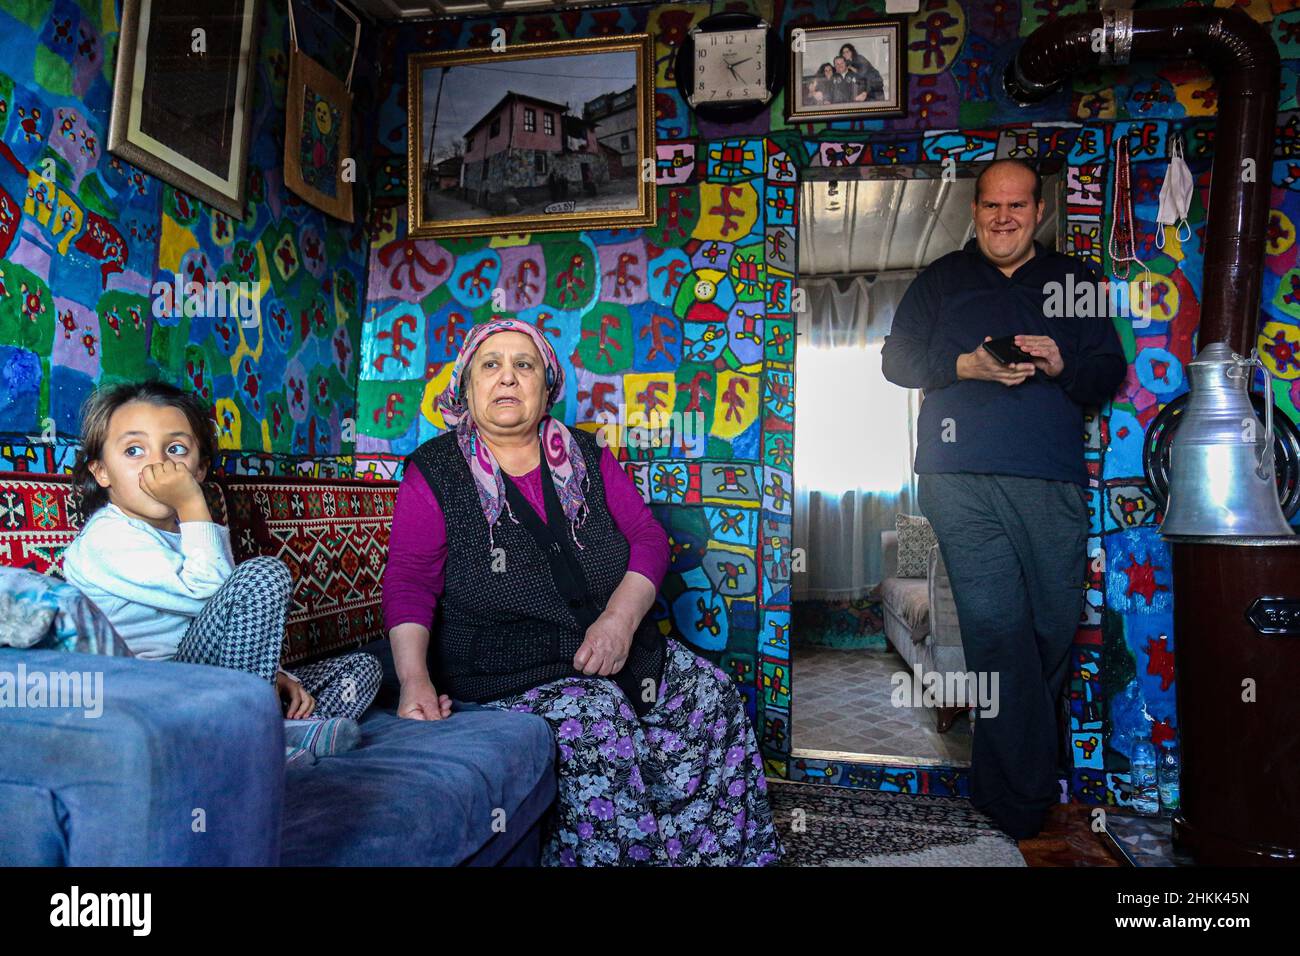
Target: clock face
[(730, 66)]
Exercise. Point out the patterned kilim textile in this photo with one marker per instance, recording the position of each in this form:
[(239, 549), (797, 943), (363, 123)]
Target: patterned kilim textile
[(333, 536), (40, 515)]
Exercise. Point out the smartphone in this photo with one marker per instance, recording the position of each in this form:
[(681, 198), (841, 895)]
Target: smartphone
[(1006, 351)]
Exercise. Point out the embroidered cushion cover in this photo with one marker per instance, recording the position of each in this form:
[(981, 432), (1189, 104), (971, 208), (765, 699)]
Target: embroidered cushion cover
[(333, 535), (915, 538)]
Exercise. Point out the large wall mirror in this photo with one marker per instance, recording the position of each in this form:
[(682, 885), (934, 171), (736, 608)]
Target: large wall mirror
[(860, 631)]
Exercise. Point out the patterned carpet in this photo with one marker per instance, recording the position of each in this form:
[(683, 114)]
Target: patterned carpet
[(835, 826)]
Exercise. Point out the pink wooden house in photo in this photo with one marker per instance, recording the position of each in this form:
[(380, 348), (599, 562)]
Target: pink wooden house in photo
[(527, 150)]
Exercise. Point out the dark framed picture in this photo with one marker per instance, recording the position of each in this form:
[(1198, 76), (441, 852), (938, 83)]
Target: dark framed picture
[(182, 95), (848, 71), (533, 138)]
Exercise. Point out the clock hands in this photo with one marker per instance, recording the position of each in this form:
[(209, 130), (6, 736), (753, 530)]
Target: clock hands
[(732, 64)]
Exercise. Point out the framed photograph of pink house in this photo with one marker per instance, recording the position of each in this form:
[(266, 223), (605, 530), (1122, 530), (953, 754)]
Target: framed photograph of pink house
[(538, 137)]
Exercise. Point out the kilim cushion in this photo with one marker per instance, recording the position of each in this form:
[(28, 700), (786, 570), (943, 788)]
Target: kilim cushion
[(40, 515), (38, 520), (333, 536)]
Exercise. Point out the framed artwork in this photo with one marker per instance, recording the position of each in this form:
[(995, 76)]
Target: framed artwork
[(182, 95), (848, 71), (318, 137), (536, 138)]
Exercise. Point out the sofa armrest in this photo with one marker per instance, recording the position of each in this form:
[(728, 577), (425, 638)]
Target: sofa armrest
[(888, 554), (158, 764), (944, 629)]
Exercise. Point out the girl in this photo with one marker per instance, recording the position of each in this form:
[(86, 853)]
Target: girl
[(153, 560), (820, 85)]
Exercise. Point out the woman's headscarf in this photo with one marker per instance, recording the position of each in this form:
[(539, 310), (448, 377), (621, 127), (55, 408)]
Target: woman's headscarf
[(563, 457)]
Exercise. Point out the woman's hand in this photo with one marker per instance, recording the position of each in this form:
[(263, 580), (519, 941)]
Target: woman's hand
[(605, 648), (298, 704), (420, 701)]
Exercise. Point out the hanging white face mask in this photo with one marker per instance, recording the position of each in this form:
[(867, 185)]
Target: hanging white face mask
[(1175, 195)]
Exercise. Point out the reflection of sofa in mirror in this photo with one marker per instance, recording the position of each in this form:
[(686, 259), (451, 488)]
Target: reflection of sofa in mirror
[(921, 620)]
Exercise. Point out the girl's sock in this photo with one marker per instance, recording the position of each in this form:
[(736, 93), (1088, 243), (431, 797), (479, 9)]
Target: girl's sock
[(322, 737), (297, 757)]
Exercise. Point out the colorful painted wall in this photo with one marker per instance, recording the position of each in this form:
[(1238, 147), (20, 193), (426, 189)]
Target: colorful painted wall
[(80, 257), (625, 314)]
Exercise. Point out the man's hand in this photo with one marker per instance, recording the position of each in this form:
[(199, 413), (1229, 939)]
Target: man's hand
[(298, 704), (1047, 356), (420, 701), (605, 648), (171, 483), (980, 364)]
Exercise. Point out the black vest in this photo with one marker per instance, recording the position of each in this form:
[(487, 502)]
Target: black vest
[(503, 624)]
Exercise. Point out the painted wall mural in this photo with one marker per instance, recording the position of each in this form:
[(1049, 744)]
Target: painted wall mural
[(686, 322), (693, 316), (84, 237)]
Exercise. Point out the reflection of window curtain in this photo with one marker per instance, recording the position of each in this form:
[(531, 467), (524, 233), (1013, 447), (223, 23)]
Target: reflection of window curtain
[(855, 436)]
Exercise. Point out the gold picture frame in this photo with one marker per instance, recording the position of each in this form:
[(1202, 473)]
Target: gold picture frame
[(498, 153), (158, 124)]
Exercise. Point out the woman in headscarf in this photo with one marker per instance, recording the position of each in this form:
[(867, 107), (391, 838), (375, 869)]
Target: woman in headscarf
[(544, 562)]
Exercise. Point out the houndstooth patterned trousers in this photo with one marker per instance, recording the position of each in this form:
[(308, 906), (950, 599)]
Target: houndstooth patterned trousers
[(242, 628)]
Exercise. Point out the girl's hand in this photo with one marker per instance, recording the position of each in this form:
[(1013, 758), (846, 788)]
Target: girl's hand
[(171, 483), (605, 648), (298, 704)]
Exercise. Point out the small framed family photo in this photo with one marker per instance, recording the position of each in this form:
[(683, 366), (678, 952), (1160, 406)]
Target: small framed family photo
[(534, 138), (848, 71)]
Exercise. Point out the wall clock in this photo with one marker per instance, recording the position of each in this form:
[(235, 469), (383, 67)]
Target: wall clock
[(729, 67)]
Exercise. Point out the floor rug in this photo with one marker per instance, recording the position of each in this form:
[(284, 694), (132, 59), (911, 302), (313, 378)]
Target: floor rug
[(837, 826)]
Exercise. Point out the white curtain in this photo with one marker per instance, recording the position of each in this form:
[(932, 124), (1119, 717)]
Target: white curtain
[(854, 435)]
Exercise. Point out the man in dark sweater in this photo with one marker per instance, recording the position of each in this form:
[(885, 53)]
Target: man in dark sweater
[(1000, 471)]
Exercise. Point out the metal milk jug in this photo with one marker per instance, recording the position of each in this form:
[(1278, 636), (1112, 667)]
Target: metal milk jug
[(1221, 477)]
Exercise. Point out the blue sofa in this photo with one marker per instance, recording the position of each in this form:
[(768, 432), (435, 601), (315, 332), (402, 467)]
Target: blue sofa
[(185, 766), (173, 739)]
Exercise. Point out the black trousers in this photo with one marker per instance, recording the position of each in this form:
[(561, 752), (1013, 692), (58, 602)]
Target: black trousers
[(1016, 551)]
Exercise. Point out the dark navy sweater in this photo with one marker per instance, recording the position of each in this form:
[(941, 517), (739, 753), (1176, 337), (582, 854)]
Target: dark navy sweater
[(1034, 429)]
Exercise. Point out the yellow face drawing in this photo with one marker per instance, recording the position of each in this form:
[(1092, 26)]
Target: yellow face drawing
[(324, 122)]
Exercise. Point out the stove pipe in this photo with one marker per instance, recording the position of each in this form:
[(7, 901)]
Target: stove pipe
[(1244, 61)]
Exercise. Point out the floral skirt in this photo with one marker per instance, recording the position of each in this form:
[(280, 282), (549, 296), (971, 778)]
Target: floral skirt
[(682, 786)]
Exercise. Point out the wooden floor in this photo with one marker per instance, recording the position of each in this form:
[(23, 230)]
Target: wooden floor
[(1068, 840)]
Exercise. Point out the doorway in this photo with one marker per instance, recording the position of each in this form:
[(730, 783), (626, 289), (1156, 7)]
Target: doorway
[(861, 631)]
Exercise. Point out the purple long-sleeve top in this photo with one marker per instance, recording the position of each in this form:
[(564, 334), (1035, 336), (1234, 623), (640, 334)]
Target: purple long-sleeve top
[(417, 547)]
